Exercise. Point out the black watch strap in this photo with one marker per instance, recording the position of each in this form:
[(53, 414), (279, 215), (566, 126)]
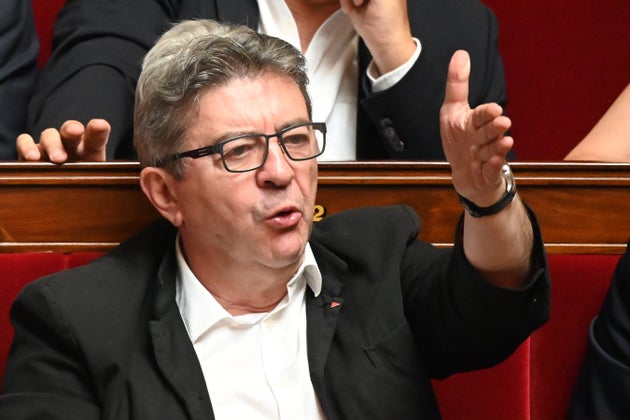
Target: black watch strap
[(508, 197), (477, 211)]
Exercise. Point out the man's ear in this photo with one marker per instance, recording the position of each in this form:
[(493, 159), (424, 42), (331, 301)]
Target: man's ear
[(159, 187)]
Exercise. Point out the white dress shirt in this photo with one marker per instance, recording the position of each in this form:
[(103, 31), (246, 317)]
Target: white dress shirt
[(255, 365), (332, 68)]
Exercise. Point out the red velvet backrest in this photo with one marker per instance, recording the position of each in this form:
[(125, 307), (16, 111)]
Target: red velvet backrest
[(579, 284), (45, 13), (500, 392), (16, 270), (537, 381), (566, 61)]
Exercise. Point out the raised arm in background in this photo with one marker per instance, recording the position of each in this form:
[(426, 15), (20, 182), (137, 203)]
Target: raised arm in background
[(609, 139)]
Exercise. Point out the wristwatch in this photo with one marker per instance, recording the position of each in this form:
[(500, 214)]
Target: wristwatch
[(508, 197)]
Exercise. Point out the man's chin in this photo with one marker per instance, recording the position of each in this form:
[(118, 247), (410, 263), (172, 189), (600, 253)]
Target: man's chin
[(289, 253)]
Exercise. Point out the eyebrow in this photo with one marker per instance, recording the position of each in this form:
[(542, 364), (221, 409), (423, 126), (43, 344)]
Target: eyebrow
[(284, 125)]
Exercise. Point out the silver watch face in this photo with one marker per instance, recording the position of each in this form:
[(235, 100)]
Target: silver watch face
[(506, 171)]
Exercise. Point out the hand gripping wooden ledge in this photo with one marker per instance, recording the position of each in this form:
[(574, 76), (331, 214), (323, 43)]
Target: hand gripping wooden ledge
[(583, 208)]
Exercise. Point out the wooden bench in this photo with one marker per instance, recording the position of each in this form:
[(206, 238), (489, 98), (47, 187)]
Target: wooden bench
[(582, 208)]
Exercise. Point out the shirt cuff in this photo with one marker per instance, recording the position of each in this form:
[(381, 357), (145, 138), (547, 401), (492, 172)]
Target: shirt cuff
[(389, 79)]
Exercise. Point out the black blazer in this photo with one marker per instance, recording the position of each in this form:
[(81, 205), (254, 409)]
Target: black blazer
[(106, 340), (603, 384), (19, 47), (99, 46)]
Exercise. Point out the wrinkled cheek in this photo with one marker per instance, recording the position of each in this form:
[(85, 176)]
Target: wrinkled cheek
[(313, 189)]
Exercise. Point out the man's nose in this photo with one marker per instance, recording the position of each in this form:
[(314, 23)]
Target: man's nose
[(277, 168)]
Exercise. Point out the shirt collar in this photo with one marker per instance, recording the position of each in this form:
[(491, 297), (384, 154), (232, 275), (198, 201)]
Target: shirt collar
[(200, 310)]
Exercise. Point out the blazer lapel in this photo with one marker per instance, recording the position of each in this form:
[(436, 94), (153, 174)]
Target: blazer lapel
[(322, 313), (174, 352)]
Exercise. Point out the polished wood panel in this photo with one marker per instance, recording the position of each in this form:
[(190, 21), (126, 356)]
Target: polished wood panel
[(582, 207), (70, 207)]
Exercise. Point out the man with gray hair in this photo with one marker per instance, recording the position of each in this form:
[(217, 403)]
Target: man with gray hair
[(236, 305)]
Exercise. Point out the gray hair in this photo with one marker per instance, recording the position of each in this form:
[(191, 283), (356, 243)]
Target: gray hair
[(195, 55)]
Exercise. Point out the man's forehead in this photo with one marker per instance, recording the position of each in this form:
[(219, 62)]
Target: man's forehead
[(251, 100), (264, 104), (257, 82)]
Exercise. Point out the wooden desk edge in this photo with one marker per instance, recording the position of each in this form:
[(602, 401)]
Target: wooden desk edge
[(532, 177)]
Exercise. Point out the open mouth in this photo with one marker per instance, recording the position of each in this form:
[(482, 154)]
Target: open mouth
[(284, 213), (286, 217)]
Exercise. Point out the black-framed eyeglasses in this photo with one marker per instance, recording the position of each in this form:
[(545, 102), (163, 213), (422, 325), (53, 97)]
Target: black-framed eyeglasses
[(248, 152)]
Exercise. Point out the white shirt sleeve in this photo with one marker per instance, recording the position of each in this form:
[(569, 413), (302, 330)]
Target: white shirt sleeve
[(389, 79)]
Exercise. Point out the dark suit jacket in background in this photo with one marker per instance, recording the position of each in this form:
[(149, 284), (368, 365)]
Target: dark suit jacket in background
[(19, 46), (99, 46), (106, 340), (603, 386)]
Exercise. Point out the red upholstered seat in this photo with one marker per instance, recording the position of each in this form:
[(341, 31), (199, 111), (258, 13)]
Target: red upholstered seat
[(579, 284), (537, 381), (16, 270), (501, 392), (45, 13)]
